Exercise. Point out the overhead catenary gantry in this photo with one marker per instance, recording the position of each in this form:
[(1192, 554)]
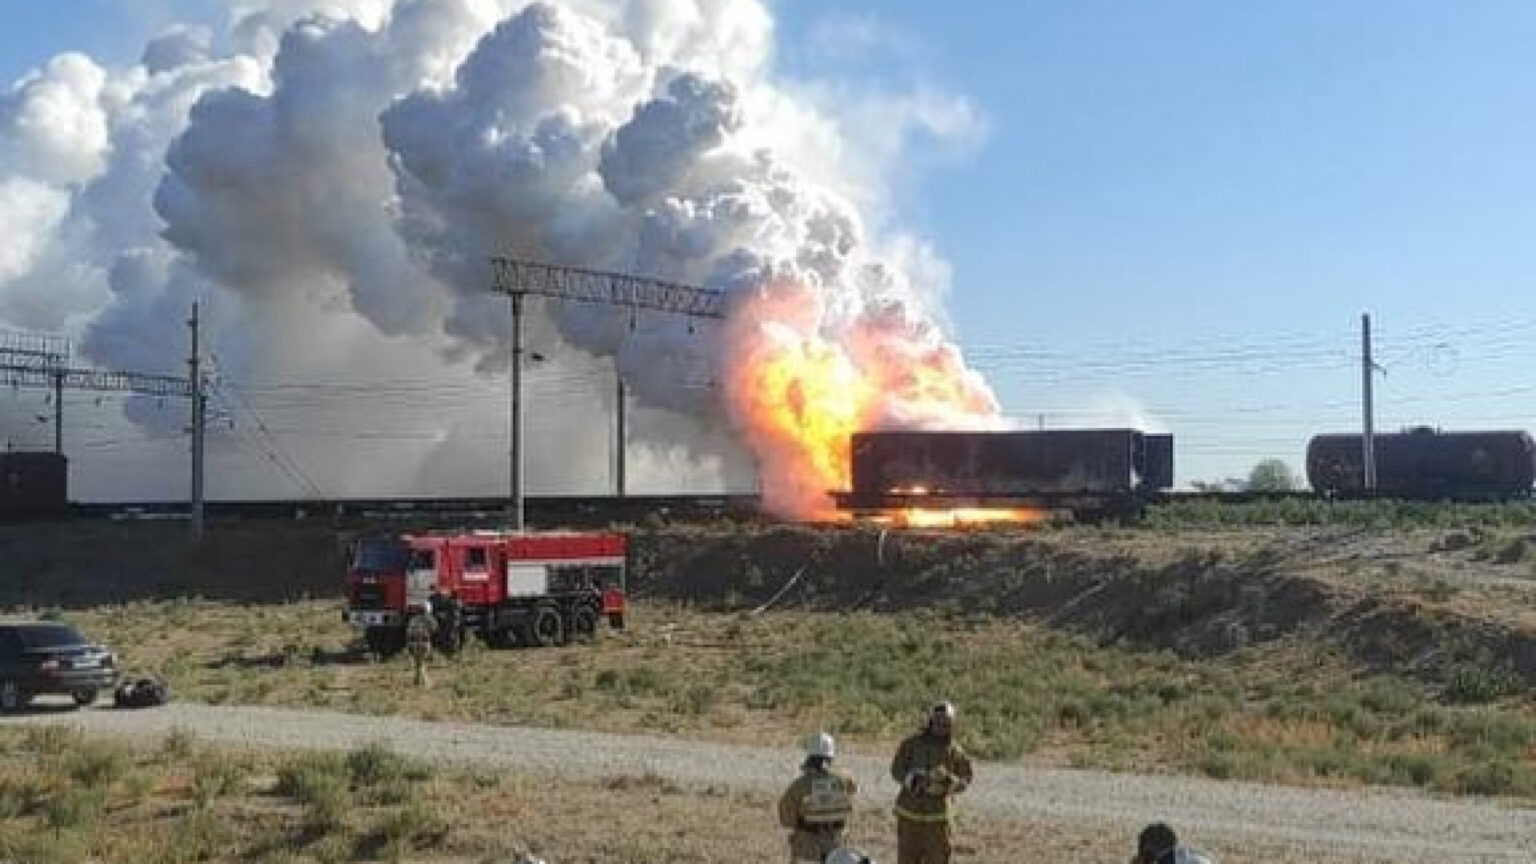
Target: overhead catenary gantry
[(41, 360), (518, 278)]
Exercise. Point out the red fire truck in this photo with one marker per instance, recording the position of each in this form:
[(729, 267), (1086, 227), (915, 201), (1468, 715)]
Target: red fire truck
[(512, 588)]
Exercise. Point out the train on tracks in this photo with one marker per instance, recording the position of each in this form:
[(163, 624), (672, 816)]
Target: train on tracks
[(1091, 473)]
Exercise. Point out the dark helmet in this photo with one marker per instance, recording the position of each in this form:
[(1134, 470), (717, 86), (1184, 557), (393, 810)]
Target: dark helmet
[(1156, 840), (940, 716)]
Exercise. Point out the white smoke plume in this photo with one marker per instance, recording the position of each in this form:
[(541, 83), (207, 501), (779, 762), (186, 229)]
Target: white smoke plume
[(330, 177)]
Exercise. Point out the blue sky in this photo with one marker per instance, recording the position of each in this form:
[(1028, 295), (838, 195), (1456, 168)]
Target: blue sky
[(1189, 204), (1183, 207)]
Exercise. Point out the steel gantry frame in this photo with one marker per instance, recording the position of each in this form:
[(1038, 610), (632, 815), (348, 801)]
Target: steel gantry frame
[(517, 278), (41, 360)]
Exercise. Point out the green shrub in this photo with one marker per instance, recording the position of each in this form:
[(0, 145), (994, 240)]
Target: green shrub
[(412, 828), (20, 795), (326, 804), (1486, 778), (321, 782), (215, 777), (1475, 684), (1492, 733), (73, 808), (51, 740), (96, 765), (376, 764), (198, 835), (178, 744)]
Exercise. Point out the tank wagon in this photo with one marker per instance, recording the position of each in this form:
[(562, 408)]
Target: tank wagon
[(1424, 463), (1092, 472)]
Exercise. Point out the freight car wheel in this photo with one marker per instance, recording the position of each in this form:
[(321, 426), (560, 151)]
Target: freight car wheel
[(548, 629), (84, 696)]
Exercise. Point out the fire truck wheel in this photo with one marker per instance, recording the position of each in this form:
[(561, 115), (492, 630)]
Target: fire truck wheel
[(384, 641), (584, 623), (548, 629)]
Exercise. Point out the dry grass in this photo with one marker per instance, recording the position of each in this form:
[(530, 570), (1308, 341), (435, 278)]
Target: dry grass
[(1286, 712), (153, 813)]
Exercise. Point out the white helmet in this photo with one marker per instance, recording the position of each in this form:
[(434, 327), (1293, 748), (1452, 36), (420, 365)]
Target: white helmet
[(847, 855), (822, 745)]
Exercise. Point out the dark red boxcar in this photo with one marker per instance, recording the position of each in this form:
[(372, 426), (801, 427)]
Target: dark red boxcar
[(1107, 469)]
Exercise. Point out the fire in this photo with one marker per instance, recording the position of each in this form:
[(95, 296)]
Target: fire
[(960, 517), (799, 388)]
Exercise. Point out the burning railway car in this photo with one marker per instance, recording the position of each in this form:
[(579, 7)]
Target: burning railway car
[(1427, 464), (1094, 473)]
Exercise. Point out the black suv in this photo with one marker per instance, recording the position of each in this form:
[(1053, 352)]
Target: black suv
[(51, 657)]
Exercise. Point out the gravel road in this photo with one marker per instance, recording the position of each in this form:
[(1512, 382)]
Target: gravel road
[(1374, 825)]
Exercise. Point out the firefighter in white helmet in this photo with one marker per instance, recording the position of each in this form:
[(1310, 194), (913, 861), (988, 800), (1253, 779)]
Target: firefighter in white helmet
[(816, 806), (931, 769)]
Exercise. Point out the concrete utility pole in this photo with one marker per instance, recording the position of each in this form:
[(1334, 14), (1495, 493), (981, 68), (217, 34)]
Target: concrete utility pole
[(199, 419), (518, 278), (620, 437), (58, 411), (1368, 436), (515, 454)]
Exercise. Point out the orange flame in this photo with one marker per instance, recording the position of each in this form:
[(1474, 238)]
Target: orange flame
[(799, 389), (961, 517)]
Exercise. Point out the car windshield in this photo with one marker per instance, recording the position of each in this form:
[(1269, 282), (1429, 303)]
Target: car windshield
[(49, 636), (380, 555)]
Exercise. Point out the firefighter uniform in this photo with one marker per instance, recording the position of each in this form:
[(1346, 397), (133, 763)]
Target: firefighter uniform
[(449, 618), (816, 806), (931, 769), (418, 641)]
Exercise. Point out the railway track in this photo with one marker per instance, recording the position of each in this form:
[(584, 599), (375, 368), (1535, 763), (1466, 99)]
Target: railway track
[(548, 511), (540, 511)]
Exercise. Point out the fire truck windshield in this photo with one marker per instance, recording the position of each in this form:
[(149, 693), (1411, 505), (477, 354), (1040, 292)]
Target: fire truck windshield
[(380, 555)]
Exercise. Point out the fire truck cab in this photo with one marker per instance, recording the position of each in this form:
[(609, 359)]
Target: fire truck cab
[(512, 588)]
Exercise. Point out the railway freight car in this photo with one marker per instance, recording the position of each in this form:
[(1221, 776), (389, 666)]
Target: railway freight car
[(33, 486), (1092, 472), (1424, 463)]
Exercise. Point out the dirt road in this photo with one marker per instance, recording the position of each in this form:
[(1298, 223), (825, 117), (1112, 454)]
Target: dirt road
[(1293, 824)]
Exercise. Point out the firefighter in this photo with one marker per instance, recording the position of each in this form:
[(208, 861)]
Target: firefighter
[(816, 806), (1157, 844), (450, 622), (931, 769), (418, 641)]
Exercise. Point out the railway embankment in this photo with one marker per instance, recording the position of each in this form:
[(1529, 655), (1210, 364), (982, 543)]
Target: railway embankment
[(1453, 607)]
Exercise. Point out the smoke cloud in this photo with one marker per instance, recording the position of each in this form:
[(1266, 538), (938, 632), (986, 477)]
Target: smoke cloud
[(330, 178)]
